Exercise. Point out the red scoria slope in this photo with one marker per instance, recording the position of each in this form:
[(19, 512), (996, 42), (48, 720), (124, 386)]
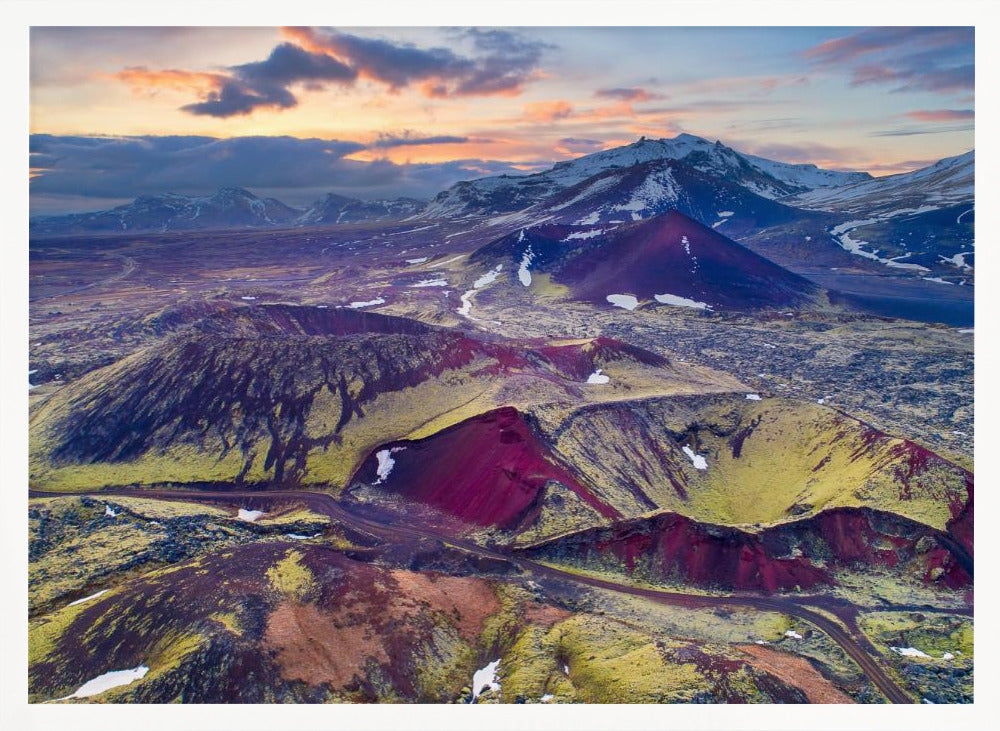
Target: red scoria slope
[(671, 254), (489, 470), (801, 553)]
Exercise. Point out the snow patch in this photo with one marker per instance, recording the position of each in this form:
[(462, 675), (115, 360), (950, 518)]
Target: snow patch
[(967, 330), (420, 260), (113, 679), (583, 235), (249, 516), (87, 598), (300, 537), (369, 303), (658, 188), (676, 301), (30, 384), (753, 397), (594, 189), (909, 652), (466, 308), (523, 272), (699, 462), (485, 677), (385, 463), (547, 697), (431, 283), (957, 260), (109, 512), (488, 278), (598, 377), (625, 301), (793, 634), (842, 233), (249, 299)]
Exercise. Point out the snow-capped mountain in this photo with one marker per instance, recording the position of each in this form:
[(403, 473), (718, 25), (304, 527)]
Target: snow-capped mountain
[(333, 208), (227, 208), (946, 183), (507, 193), (645, 190)]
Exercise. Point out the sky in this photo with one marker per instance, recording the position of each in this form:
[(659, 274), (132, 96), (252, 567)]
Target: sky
[(386, 112)]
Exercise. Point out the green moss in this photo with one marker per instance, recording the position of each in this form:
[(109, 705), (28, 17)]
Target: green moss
[(932, 633), (230, 621), (610, 663), (44, 633), (795, 459), (290, 578)]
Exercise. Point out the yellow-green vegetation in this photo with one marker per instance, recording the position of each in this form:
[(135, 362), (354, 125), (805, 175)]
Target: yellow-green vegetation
[(932, 633), (726, 625), (442, 664), (230, 621), (545, 289), (562, 511), (290, 578), (165, 656), (611, 663), (168, 509), (795, 459), (500, 625), (295, 514), (614, 575), (76, 550), (878, 586), (43, 633), (413, 412)]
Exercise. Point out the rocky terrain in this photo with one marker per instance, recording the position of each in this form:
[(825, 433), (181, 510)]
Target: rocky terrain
[(614, 432)]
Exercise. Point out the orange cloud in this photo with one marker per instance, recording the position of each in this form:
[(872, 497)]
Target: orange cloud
[(547, 111), (146, 81)]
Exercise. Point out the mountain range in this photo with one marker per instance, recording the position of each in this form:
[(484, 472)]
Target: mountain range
[(921, 221), (692, 164)]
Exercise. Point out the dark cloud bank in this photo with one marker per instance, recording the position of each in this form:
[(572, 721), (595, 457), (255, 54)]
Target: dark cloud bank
[(74, 169)]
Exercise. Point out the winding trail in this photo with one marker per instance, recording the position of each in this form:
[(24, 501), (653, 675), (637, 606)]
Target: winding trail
[(328, 505)]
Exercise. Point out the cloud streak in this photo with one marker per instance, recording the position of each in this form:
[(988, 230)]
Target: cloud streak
[(941, 115), (909, 59), (627, 94), (408, 138)]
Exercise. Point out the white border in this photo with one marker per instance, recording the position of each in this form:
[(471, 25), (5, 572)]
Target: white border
[(18, 15)]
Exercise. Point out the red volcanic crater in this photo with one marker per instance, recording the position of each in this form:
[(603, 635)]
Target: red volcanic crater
[(674, 255), (490, 470)]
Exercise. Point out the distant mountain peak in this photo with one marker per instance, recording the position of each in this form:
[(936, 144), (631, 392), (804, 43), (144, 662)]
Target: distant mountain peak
[(506, 194)]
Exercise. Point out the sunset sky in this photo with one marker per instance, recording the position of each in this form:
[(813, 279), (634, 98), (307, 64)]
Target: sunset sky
[(379, 112)]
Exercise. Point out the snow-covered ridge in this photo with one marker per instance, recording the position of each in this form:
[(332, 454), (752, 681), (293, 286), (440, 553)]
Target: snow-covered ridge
[(947, 182)]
